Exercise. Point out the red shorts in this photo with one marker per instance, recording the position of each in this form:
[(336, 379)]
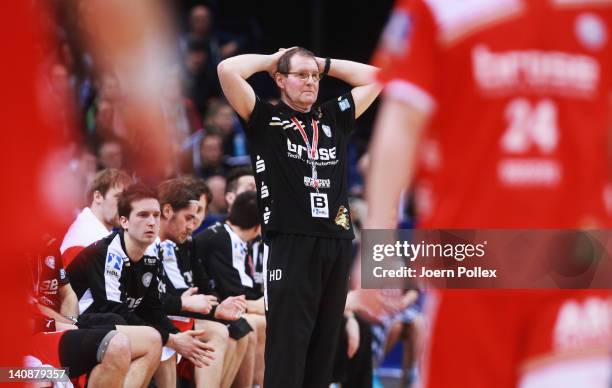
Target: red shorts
[(45, 347), (490, 338)]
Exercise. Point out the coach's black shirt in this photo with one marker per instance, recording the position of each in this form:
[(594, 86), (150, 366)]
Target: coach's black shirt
[(283, 170)]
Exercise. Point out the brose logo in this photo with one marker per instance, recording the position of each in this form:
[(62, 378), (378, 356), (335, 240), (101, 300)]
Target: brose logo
[(299, 151)]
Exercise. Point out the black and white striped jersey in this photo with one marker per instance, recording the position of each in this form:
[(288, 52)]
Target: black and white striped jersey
[(227, 261), (106, 280)]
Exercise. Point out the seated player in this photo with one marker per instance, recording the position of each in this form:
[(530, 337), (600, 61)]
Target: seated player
[(119, 274), (102, 351), (223, 249), (179, 206), (98, 220)]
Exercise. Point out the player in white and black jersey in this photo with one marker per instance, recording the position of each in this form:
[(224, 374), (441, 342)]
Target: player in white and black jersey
[(239, 180), (118, 274), (224, 251), (179, 207), (298, 151)]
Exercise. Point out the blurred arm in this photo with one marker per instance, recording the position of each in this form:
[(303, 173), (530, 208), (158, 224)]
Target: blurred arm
[(397, 132)]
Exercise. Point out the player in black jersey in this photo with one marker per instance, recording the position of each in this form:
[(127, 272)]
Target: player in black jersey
[(179, 207), (298, 151), (119, 274), (224, 250)]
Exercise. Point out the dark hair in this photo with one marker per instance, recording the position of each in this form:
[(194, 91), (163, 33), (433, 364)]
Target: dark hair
[(198, 186), (234, 175), (177, 193), (107, 179), (244, 210), (285, 60), (134, 192)]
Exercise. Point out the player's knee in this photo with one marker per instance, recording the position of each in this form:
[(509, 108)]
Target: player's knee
[(252, 338), (118, 354), (221, 334), (153, 340), (216, 332)]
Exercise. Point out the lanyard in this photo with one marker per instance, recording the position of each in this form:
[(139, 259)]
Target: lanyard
[(312, 150)]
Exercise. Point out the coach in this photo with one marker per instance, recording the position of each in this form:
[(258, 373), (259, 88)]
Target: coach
[(298, 152)]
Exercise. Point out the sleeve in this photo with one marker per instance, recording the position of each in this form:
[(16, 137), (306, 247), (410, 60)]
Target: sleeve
[(170, 294), (152, 311), (227, 278), (258, 121), (201, 278), (170, 297), (407, 53), (343, 111)]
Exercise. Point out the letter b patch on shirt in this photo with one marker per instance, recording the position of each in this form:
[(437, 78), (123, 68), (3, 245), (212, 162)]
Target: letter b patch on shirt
[(319, 205)]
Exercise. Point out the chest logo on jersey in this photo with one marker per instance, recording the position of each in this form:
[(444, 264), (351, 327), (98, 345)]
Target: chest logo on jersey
[(320, 183), (150, 260), (326, 130), (342, 218), (50, 262), (146, 279), (298, 151), (113, 264)]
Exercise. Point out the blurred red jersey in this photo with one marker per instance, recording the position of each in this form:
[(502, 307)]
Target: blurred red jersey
[(519, 95)]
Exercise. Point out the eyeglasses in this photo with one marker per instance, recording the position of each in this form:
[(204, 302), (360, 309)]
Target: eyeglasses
[(303, 76)]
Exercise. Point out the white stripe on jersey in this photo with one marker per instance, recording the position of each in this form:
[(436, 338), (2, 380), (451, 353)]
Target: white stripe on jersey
[(457, 19), (239, 253), (115, 257), (410, 93), (265, 278), (85, 301), (170, 262)]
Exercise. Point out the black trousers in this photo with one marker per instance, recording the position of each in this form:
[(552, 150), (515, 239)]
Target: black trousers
[(306, 286)]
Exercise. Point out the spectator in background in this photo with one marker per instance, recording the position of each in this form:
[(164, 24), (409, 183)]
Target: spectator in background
[(83, 166), (96, 221), (59, 102), (104, 118), (218, 45), (211, 161), (217, 209), (220, 116), (201, 82), (180, 114), (110, 155), (203, 48)]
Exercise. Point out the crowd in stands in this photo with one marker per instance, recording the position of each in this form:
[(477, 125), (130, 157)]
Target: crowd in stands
[(203, 307)]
